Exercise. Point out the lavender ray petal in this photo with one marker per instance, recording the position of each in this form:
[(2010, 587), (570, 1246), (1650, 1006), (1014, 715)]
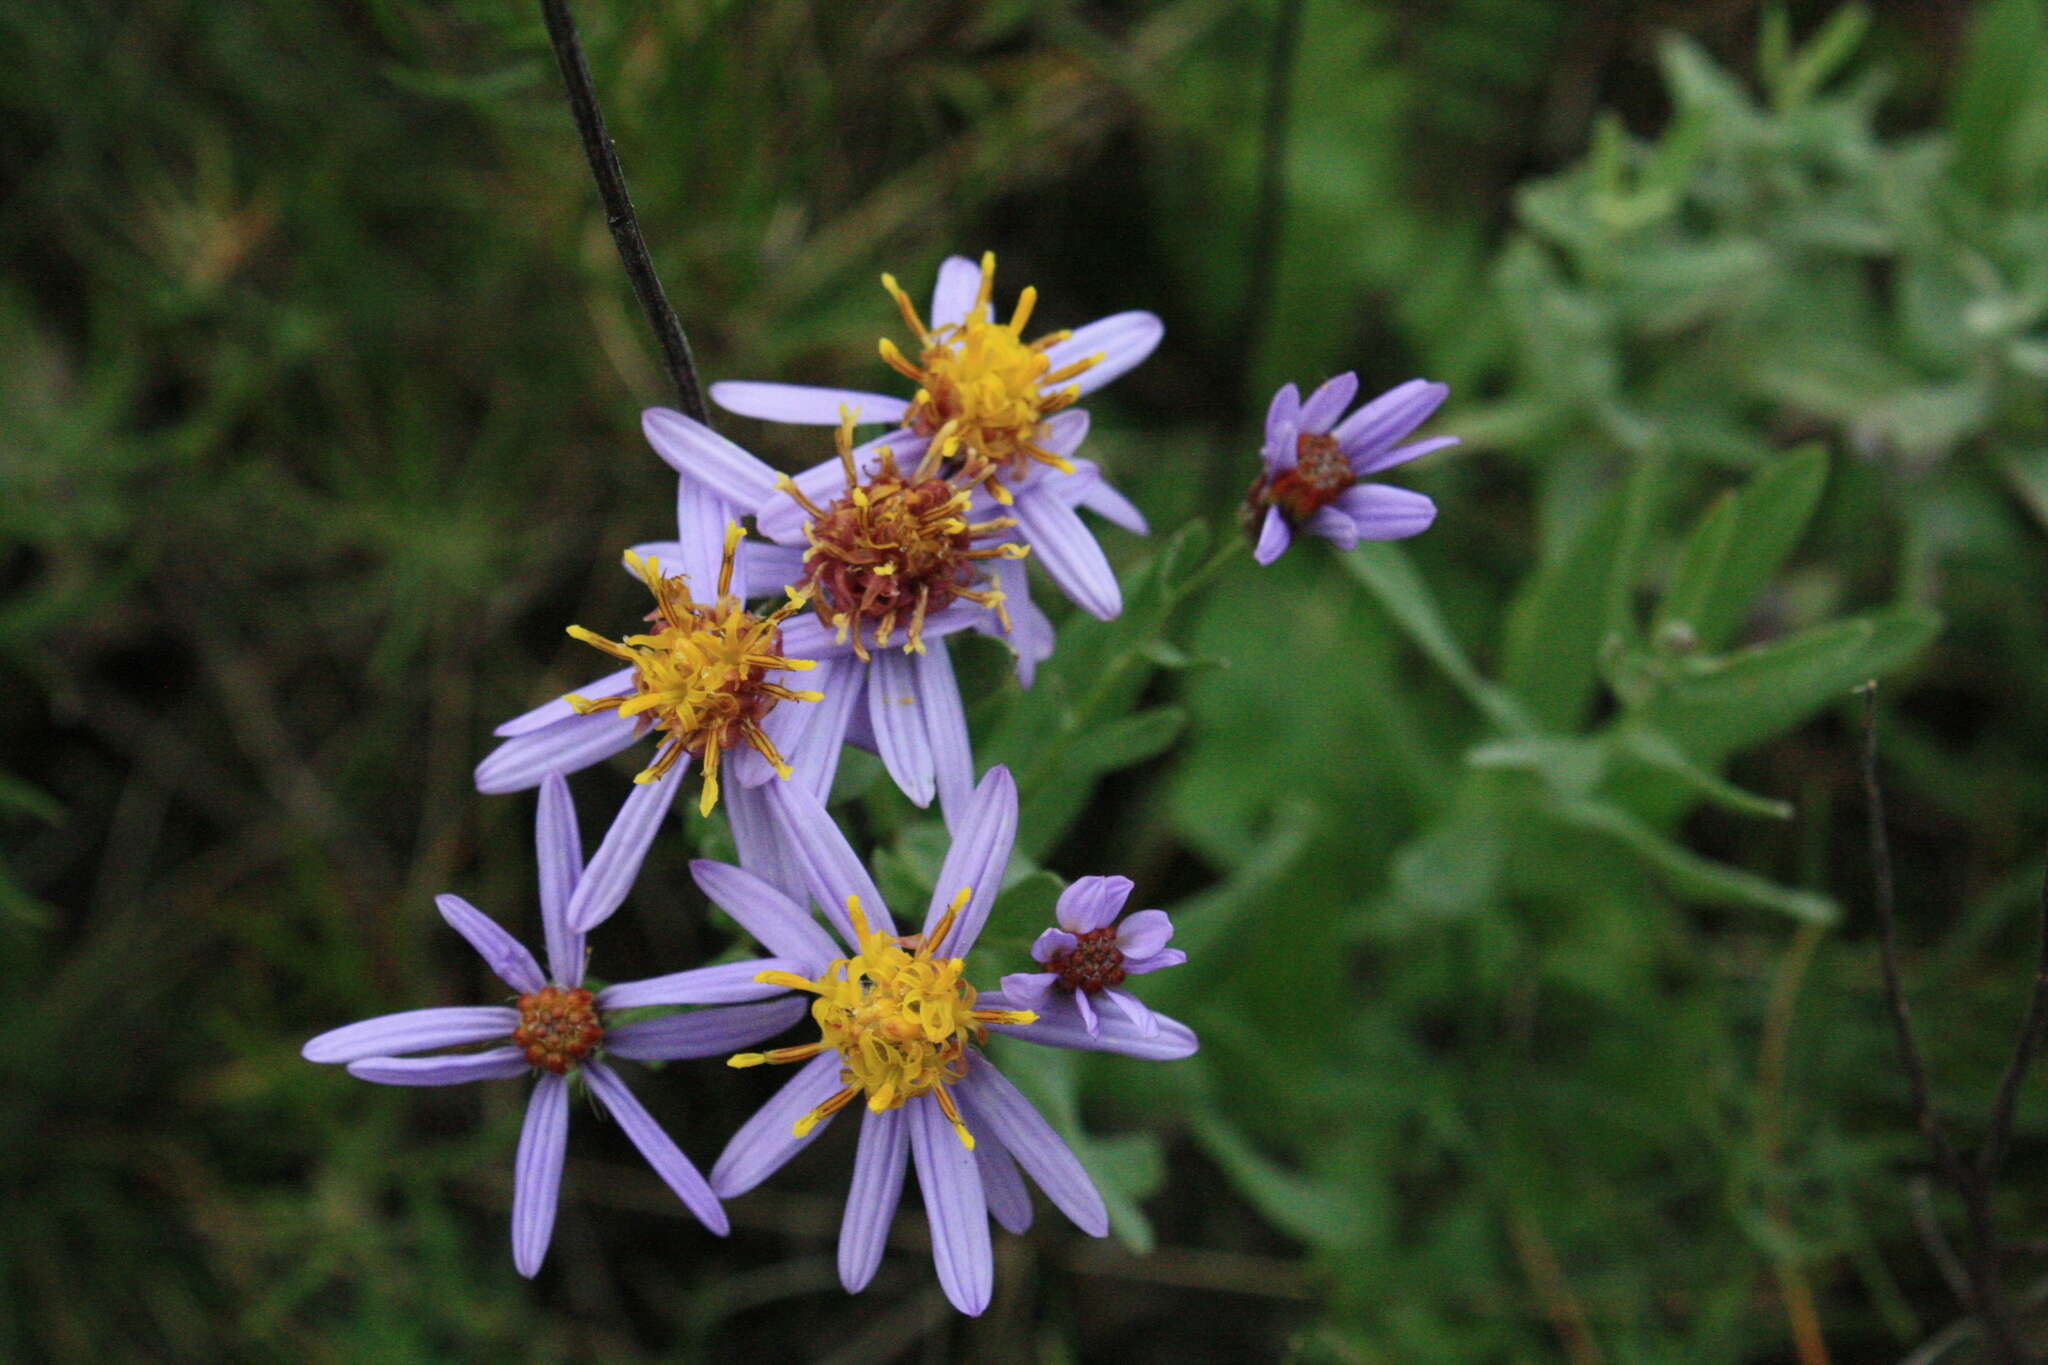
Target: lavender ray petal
[(841, 680), (1028, 988), (1091, 903), (565, 746), (1135, 1010), (537, 1173), (1091, 1020), (954, 1206), (764, 569), (701, 455), (1050, 943), (831, 869), (1284, 410), (759, 841), (1333, 525), (1114, 508), (774, 918), (1159, 961), (1059, 1025), (390, 1035), (1000, 1107), (501, 952), (1282, 448), (872, 1197), (1400, 455), (1144, 933), (547, 713), (954, 292), (1061, 434), (1389, 417), (803, 404), (946, 726), (668, 1161), (701, 518), (715, 1032), (1001, 1183), (895, 710), (1123, 340), (727, 983), (764, 1142), (1062, 543), (1031, 634), (1382, 512), (443, 1068), (1274, 537), (976, 861), (1323, 407), (617, 861), (558, 851)]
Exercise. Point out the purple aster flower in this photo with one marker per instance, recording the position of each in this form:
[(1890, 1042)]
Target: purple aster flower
[(1090, 954), (559, 1032), (892, 563), (902, 1030), (1001, 409), (1315, 466)]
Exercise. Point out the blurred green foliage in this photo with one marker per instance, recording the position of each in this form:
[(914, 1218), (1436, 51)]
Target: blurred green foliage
[(1517, 865)]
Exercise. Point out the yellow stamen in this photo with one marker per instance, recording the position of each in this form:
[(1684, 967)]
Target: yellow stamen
[(983, 393), (701, 678), (902, 1020)]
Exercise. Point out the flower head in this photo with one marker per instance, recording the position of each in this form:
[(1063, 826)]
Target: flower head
[(560, 1033), (702, 678), (901, 1028), (1090, 954), (982, 389), (894, 548), (1315, 466)]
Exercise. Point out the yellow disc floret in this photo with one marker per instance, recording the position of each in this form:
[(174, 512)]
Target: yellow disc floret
[(982, 390), (701, 678), (900, 1019)]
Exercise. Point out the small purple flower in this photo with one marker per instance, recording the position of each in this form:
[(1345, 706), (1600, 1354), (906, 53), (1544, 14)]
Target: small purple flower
[(560, 1031), (1089, 954), (902, 1030), (1315, 466)]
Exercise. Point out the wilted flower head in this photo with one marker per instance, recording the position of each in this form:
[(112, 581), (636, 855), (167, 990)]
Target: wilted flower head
[(901, 1029), (1315, 466), (560, 1032)]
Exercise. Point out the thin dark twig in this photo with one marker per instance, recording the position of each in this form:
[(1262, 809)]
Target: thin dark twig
[(1986, 1298), (1996, 1139), (618, 209)]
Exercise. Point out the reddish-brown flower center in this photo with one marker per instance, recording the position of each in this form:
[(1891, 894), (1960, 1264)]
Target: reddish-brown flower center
[(1320, 473), (889, 547), (558, 1028), (895, 548), (1094, 963)]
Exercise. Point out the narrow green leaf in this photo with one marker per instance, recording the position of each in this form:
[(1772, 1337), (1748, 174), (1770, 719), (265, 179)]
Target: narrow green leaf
[(1720, 705), (1689, 874), (1738, 546), (1657, 751)]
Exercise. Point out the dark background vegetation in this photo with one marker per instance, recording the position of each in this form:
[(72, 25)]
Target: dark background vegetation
[(1527, 1035)]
